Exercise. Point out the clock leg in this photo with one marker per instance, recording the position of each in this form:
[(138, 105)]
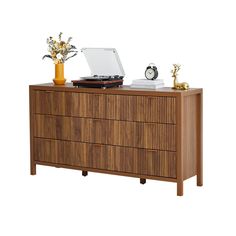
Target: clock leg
[(84, 173)]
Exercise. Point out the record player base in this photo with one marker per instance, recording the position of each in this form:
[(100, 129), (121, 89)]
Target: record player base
[(97, 84)]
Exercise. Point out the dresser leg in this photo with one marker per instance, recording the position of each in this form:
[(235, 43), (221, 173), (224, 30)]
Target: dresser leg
[(199, 180), (199, 171), (84, 173), (180, 188), (33, 168), (142, 181)]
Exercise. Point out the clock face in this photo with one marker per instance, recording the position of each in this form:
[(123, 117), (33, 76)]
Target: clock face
[(150, 73)]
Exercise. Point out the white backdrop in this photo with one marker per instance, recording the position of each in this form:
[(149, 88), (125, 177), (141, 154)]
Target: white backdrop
[(200, 35)]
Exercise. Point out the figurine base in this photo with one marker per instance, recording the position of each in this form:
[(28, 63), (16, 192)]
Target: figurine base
[(180, 88)]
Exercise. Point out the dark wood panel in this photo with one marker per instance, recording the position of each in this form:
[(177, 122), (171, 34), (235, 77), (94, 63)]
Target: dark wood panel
[(140, 108), (113, 158), (32, 110), (88, 105), (134, 132), (53, 102), (121, 133), (115, 107), (56, 127)]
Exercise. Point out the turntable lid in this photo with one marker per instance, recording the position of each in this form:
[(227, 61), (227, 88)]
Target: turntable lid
[(103, 61)]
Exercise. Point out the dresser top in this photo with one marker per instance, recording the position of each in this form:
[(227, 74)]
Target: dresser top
[(125, 89)]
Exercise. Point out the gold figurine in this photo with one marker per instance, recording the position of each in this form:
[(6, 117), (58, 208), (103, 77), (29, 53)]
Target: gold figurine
[(179, 86)]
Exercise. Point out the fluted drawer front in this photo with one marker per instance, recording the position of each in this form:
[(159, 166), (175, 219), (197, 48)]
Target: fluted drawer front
[(114, 158), (141, 108), (120, 133), (53, 102), (114, 107)]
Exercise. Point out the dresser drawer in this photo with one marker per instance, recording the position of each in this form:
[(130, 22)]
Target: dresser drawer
[(120, 133), (52, 102), (114, 107), (70, 104), (126, 108), (141, 108), (105, 157)]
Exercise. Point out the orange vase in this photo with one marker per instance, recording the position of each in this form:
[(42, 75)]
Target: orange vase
[(59, 74)]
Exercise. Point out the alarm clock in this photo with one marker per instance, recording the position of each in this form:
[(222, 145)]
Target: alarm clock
[(151, 72)]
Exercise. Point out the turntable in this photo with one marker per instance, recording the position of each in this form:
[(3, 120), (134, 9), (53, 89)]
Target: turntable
[(105, 66)]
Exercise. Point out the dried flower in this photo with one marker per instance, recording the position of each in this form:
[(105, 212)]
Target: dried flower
[(60, 51), (59, 56)]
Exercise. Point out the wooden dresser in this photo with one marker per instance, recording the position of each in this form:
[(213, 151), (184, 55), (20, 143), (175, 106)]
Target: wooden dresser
[(132, 132)]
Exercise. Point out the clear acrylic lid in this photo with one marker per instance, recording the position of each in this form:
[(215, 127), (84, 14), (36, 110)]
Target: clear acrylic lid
[(103, 61)]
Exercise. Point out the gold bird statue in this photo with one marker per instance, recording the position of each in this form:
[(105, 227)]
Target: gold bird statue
[(179, 86)]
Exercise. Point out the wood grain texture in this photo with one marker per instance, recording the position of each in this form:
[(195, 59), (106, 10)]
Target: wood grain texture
[(124, 90), (88, 105), (115, 107), (189, 139), (132, 132), (189, 136), (179, 147), (32, 110), (52, 102), (199, 139), (140, 108), (120, 133), (113, 158)]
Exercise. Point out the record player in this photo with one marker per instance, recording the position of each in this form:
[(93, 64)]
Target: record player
[(106, 69)]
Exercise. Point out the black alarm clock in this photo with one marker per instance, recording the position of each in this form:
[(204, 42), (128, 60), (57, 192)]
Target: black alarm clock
[(151, 72)]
